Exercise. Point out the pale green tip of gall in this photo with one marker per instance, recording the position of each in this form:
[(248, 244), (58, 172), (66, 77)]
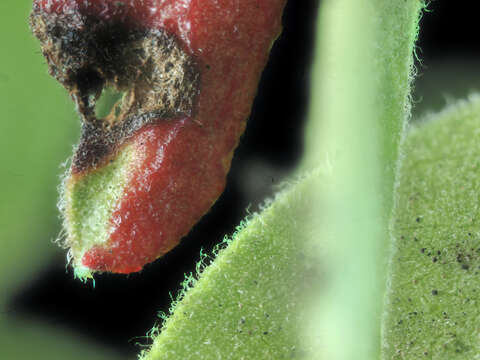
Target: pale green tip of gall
[(88, 202), (83, 274)]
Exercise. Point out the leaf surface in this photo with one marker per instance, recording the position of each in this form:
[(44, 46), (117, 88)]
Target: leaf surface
[(432, 307)]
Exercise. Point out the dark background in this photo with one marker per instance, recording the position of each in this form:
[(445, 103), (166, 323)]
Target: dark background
[(271, 146), (449, 49)]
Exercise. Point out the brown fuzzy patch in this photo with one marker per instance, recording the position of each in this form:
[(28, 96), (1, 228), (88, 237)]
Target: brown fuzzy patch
[(87, 55)]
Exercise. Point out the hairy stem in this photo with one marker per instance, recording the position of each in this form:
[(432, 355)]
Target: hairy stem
[(361, 104)]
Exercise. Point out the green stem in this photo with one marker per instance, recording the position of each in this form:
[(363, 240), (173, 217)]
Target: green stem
[(361, 104)]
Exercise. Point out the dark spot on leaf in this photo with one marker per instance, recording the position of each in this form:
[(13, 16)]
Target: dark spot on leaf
[(434, 292)]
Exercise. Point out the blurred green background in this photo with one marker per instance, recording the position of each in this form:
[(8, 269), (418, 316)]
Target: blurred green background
[(37, 129)]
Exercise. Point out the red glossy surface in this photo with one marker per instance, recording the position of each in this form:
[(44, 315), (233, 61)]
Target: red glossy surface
[(171, 190), (184, 163)]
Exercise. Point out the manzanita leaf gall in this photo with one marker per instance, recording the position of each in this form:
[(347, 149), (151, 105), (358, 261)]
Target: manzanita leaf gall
[(144, 174)]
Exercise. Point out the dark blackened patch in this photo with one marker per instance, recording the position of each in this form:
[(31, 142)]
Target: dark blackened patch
[(86, 55), (99, 140), (88, 80)]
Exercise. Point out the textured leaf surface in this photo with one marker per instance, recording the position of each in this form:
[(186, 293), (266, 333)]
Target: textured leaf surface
[(433, 307), (245, 305)]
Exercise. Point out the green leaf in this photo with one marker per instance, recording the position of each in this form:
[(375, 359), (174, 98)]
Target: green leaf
[(246, 303), (432, 305)]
